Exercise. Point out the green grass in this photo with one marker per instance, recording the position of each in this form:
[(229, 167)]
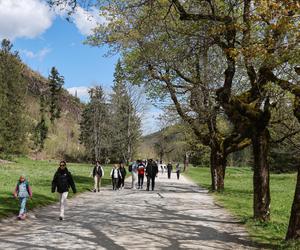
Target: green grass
[(238, 198), (40, 174)]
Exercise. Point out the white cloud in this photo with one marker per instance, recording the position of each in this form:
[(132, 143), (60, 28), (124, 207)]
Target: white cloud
[(82, 92), (40, 55), (24, 18), (86, 21)]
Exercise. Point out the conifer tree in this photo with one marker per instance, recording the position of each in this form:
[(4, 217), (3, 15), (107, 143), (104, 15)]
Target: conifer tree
[(56, 82), (126, 123), (12, 93), (95, 125)]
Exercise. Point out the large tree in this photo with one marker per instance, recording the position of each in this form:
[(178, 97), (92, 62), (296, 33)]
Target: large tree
[(56, 82), (95, 125), (12, 93), (125, 120)]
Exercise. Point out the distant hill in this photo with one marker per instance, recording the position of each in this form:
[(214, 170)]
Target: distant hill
[(167, 144), (62, 141)]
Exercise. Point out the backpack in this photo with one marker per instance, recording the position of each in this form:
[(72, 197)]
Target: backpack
[(130, 168), (99, 172)]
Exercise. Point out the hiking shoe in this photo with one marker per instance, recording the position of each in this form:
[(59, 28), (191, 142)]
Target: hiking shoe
[(98, 190), (61, 218)]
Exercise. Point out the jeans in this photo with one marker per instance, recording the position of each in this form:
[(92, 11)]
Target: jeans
[(23, 201), (115, 183), (62, 202), (140, 180)]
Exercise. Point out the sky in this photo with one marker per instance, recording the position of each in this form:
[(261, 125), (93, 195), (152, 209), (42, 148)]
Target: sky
[(44, 38)]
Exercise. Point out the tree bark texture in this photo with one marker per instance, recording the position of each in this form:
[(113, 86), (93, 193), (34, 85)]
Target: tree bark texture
[(261, 178), (218, 167), (294, 225)]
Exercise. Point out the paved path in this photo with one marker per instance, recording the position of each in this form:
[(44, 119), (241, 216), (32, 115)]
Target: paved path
[(177, 215)]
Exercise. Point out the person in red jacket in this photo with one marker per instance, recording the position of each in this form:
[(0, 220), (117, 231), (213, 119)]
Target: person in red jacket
[(141, 173)]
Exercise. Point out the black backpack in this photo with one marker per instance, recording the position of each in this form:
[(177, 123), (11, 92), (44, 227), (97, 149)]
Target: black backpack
[(130, 168)]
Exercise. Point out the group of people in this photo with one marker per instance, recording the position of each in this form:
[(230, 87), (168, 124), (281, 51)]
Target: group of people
[(63, 181)]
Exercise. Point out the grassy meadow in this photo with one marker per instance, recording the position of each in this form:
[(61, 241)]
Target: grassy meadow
[(238, 198), (40, 174)]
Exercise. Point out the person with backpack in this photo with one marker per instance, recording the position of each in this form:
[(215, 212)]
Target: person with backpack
[(169, 168), (115, 176), (151, 173), (141, 173), (97, 174), (23, 192), (61, 182), (123, 175)]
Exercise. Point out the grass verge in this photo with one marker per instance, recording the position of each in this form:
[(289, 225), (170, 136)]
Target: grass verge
[(40, 174), (238, 198)]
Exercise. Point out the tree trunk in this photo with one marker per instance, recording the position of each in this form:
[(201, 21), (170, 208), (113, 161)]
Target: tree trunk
[(261, 175), (217, 168), (186, 163), (294, 225)]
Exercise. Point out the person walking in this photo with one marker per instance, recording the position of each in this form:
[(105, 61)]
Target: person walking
[(178, 170), (61, 182), (115, 175), (169, 168), (97, 173), (141, 173), (23, 192), (134, 174), (151, 173), (123, 175)]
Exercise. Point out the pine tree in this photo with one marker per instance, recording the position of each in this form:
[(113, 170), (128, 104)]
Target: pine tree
[(12, 93), (95, 125), (41, 129), (126, 123), (56, 82)]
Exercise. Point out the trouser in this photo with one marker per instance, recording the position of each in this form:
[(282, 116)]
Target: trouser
[(97, 181), (152, 180), (23, 201), (115, 183), (134, 177), (122, 182), (169, 174), (178, 174), (62, 203), (140, 180)]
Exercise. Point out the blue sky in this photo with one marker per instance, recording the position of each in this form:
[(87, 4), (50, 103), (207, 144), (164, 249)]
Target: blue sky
[(44, 39)]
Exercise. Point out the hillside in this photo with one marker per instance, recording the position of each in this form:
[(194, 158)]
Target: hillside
[(63, 136)]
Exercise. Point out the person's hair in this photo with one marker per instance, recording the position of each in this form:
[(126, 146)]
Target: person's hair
[(62, 162), (98, 162)]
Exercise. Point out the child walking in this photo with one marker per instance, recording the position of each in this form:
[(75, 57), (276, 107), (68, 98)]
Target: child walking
[(61, 182), (23, 192)]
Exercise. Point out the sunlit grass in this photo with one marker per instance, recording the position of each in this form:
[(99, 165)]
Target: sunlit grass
[(40, 174), (238, 198)]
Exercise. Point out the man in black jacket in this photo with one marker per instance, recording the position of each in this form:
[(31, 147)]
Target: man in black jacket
[(61, 182), (170, 168), (151, 173)]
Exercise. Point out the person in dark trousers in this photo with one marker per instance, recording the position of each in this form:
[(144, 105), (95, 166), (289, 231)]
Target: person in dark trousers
[(151, 173), (123, 175), (61, 182), (115, 176), (141, 173), (178, 170), (170, 168)]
